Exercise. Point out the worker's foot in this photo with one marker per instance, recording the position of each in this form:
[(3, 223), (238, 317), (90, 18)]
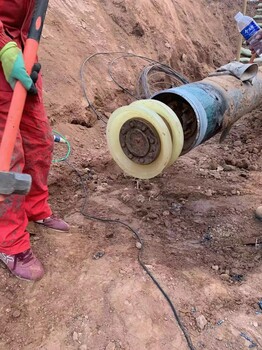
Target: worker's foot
[(54, 223), (24, 265), (259, 213)]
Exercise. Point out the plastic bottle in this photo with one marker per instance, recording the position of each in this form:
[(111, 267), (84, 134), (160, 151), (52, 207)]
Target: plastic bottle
[(247, 26)]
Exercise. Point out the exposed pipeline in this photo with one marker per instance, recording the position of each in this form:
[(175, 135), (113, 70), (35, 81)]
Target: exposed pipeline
[(147, 136)]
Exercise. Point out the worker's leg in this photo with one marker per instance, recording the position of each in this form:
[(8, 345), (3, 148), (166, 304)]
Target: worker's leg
[(38, 146), (13, 220)]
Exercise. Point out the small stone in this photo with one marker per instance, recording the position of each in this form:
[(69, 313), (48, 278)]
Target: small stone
[(83, 25), (230, 161), (259, 213), (237, 144), (215, 267), (255, 324), (138, 245), (253, 167), (201, 322), (125, 197), (166, 213), (183, 57), (209, 193), (225, 277), (167, 223), (213, 165), (228, 167), (219, 337), (75, 336), (113, 177), (110, 346), (152, 216), (36, 238), (83, 347), (167, 45), (109, 235), (140, 198), (16, 314), (244, 164)]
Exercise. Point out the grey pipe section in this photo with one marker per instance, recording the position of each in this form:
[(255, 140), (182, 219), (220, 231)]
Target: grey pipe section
[(241, 97), (212, 105)]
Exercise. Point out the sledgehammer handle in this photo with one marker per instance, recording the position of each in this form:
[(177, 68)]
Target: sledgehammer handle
[(19, 95)]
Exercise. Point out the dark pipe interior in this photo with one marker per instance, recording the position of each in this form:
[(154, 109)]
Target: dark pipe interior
[(186, 115)]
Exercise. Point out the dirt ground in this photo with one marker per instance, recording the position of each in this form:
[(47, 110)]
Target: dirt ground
[(202, 242)]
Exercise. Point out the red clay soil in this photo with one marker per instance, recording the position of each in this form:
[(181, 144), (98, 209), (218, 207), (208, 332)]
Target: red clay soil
[(202, 241)]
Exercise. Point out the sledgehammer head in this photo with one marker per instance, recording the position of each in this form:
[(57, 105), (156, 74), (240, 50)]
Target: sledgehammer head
[(14, 183)]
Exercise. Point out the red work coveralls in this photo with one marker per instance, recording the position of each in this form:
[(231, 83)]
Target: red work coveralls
[(34, 143)]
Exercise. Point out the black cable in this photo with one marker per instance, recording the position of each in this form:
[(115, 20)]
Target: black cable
[(140, 253), (149, 71), (142, 81)]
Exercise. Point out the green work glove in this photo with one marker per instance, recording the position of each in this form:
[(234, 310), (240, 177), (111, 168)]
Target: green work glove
[(14, 67)]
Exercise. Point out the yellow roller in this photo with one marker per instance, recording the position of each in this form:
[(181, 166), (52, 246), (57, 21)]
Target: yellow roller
[(137, 135), (172, 122)]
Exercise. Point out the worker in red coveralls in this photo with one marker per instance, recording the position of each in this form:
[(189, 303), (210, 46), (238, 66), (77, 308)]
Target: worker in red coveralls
[(33, 149)]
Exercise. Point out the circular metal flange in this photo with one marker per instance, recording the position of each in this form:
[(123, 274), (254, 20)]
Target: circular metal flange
[(140, 141), (172, 122)]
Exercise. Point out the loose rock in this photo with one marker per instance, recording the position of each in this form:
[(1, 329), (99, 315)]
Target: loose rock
[(259, 213), (83, 347), (237, 144), (109, 235), (201, 322), (140, 198), (209, 193), (75, 336), (16, 314), (228, 167), (225, 277), (110, 346), (138, 245), (152, 216)]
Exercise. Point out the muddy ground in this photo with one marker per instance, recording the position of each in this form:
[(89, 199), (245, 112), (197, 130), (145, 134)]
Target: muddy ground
[(202, 241)]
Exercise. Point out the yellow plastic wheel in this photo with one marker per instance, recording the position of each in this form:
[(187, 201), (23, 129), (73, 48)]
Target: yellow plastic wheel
[(172, 121), (149, 137)]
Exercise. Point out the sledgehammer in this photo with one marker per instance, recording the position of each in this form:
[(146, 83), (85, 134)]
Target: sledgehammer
[(10, 182)]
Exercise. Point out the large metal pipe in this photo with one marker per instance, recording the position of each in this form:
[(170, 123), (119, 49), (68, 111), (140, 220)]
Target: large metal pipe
[(147, 136), (211, 105)]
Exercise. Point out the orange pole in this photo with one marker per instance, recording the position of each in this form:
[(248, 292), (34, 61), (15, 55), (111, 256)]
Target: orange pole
[(16, 109)]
